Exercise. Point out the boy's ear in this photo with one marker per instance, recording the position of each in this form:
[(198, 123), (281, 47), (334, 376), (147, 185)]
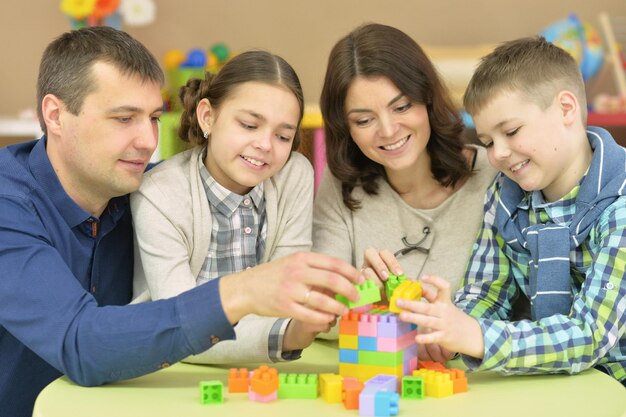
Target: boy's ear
[(568, 104), (51, 108), (205, 115)]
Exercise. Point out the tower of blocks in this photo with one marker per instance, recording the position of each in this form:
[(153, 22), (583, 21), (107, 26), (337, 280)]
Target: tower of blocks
[(373, 341)]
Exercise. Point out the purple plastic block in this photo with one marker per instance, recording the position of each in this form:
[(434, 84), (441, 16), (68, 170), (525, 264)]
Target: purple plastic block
[(390, 326), (383, 382), (366, 401)]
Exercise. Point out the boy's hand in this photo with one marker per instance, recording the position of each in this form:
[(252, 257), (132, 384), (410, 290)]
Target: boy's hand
[(377, 264), (300, 335), (301, 285), (450, 327), (432, 351)]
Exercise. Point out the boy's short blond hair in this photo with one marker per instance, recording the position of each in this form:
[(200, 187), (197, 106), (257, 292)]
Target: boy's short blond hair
[(534, 67)]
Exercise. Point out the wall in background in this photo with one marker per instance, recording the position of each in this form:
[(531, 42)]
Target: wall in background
[(302, 32)]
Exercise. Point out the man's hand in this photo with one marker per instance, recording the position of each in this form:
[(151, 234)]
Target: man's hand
[(301, 285)]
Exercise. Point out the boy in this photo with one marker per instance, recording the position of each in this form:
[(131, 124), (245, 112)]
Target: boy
[(66, 242), (554, 229)]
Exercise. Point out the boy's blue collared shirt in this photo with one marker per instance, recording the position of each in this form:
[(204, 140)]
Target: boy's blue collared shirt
[(64, 274)]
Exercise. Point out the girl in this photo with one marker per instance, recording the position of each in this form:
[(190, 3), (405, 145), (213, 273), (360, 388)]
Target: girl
[(238, 198)]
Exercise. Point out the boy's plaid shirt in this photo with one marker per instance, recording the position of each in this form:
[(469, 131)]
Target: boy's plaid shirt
[(593, 334)]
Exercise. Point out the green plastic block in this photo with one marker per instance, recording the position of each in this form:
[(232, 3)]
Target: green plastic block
[(299, 386), (413, 387), (392, 283), (211, 392), (368, 291), (390, 359)]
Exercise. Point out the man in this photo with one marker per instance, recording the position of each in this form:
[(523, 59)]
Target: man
[(66, 249)]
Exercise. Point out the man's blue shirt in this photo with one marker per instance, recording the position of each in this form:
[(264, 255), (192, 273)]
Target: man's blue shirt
[(64, 274)]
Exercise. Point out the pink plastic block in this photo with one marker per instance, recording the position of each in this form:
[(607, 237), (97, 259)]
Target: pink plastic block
[(368, 325), (396, 344), (253, 396)]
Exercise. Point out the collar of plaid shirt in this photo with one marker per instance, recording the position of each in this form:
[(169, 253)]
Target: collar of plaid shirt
[(550, 281)]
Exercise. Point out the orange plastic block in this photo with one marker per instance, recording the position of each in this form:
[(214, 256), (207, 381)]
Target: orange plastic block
[(331, 387), (349, 324), (238, 380), (438, 366), (264, 380), (459, 380), (350, 393)]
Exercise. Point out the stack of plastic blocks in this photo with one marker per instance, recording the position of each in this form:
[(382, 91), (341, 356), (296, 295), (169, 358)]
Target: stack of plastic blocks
[(379, 397), (376, 342)]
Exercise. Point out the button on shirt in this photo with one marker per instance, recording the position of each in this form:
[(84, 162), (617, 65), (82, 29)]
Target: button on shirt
[(64, 274)]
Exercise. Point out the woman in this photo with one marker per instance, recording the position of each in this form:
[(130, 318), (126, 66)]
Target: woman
[(403, 193)]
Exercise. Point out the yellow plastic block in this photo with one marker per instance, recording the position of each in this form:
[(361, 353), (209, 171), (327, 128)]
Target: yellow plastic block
[(410, 290), (330, 387), (348, 341)]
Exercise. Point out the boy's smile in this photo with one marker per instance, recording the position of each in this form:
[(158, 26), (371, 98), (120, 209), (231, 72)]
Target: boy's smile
[(532, 146)]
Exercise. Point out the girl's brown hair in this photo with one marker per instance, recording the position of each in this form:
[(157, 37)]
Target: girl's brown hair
[(248, 66)]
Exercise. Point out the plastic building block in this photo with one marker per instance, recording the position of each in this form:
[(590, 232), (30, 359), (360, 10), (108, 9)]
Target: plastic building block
[(297, 386), (386, 404), (238, 380), (264, 380), (349, 324), (351, 390), (368, 325), (348, 341), (255, 396), (367, 401), (396, 344), (437, 366), (379, 358), (410, 290), (211, 392), (389, 325), (349, 356), (413, 387), (392, 283), (383, 382), (368, 291), (459, 380), (331, 387)]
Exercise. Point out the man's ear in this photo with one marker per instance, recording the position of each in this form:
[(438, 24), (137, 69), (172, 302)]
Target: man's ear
[(205, 114), (568, 104), (51, 109)]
